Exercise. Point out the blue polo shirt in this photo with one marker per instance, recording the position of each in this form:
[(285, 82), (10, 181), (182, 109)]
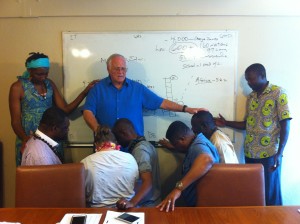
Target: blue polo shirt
[(108, 103), (200, 145)]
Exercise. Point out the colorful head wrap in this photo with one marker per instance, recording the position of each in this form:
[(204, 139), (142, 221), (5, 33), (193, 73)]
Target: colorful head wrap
[(38, 63)]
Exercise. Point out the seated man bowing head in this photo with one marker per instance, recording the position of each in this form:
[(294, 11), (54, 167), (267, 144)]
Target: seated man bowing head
[(200, 155), (203, 122), (42, 147), (110, 173), (148, 186)]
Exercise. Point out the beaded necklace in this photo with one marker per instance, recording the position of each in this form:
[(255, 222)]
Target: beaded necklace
[(107, 146), (54, 149)]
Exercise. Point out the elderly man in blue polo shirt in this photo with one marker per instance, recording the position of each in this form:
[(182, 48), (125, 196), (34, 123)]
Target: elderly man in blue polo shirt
[(117, 97)]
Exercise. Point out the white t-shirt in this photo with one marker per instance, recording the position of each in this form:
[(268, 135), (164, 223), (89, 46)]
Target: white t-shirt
[(110, 175)]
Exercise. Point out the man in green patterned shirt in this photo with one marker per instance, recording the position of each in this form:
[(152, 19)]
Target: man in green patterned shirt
[(267, 125)]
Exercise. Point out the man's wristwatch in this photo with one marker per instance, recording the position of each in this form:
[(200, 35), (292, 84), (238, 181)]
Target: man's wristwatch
[(179, 185)]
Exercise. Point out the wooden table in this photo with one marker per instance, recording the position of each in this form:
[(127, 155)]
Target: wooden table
[(181, 215)]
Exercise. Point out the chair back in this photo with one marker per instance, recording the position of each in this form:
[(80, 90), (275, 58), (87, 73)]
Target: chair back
[(232, 185), (59, 186)]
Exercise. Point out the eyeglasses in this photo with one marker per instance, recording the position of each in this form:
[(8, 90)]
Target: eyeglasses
[(120, 69)]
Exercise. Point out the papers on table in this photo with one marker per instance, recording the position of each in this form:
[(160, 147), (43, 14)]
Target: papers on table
[(110, 217), (90, 218)]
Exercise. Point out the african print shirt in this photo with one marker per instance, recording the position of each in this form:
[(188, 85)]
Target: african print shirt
[(262, 121)]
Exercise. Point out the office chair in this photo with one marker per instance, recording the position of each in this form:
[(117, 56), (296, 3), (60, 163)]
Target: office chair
[(232, 185), (60, 186)]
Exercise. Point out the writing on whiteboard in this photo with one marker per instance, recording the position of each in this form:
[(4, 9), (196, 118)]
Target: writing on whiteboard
[(195, 68)]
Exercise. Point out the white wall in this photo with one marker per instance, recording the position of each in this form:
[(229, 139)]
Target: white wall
[(268, 33)]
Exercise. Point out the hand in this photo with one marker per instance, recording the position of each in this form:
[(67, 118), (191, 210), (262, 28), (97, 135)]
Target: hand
[(165, 143), (276, 163), (220, 121), (191, 110), (90, 85), (169, 202), (124, 204)]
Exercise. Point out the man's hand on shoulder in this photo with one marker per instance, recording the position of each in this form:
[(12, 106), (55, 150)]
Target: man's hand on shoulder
[(166, 144), (90, 85)]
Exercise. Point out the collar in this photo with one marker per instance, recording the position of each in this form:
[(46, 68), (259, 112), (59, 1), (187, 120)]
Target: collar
[(133, 142), (109, 82), (267, 90), (46, 138)]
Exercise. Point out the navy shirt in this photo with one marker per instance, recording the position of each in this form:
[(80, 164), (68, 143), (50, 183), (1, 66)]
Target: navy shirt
[(108, 103), (200, 145)]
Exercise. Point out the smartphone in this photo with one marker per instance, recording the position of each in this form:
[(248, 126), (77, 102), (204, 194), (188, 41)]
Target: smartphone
[(78, 219), (125, 217)]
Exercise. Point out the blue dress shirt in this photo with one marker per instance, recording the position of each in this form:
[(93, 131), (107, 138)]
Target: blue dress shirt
[(108, 103)]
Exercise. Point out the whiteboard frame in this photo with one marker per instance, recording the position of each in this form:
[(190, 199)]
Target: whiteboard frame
[(65, 34)]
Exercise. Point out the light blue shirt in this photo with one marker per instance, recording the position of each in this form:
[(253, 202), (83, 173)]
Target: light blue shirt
[(200, 145)]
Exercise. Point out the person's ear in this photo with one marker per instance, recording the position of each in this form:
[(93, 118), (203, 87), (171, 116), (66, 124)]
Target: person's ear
[(55, 128), (120, 132), (181, 139), (203, 126)]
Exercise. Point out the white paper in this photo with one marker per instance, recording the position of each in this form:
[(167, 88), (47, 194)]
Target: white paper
[(90, 218), (110, 217), (10, 223)]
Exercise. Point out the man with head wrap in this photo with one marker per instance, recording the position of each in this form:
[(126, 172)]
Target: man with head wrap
[(31, 95)]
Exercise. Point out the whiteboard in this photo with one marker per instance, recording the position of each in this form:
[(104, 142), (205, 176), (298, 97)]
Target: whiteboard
[(196, 68)]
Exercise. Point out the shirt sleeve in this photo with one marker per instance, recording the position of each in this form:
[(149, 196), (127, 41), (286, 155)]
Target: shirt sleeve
[(282, 105), (91, 100), (151, 100), (143, 158)]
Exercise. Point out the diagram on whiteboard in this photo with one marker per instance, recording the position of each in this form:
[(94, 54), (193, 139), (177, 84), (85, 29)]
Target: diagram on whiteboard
[(195, 68)]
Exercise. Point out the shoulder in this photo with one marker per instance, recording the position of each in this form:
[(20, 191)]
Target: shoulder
[(16, 85), (220, 134), (35, 145), (124, 154), (144, 153), (144, 147), (49, 81), (200, 139), (103, 82), (34, 150), (202, 145), (277, 90), (134, 83)]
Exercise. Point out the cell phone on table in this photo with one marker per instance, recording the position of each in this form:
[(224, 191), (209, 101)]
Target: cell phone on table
[(78, 219), (125, 217)]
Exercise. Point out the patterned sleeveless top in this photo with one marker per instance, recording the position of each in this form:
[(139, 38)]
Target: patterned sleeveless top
[(33, 106)]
